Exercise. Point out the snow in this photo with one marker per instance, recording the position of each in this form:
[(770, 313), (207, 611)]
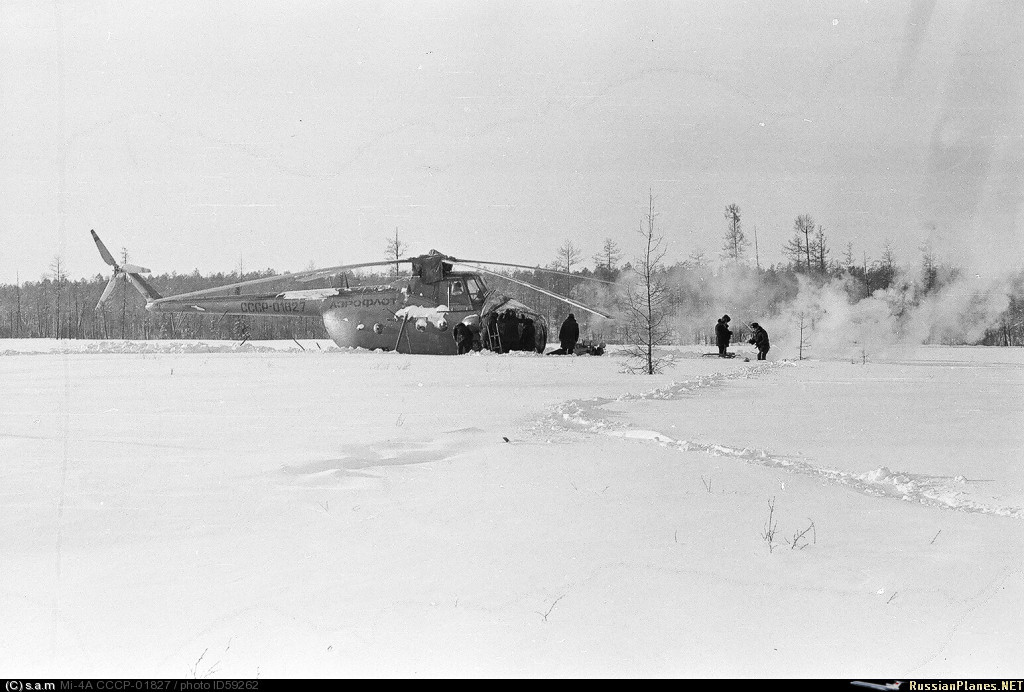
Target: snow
[(292, 509)]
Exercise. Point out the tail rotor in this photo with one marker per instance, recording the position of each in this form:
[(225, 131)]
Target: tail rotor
[(125, 271), (107, 291)]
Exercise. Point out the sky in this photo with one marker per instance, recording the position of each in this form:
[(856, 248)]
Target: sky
[(253, 135)]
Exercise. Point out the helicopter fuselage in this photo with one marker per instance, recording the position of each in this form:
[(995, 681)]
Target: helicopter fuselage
[(407, 315), (435, 310)]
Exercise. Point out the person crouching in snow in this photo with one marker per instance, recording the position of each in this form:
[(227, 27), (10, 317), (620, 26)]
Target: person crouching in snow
[(759, 338)]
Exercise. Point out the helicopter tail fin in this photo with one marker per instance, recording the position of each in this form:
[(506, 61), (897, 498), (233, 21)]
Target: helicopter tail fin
[(130, 272)]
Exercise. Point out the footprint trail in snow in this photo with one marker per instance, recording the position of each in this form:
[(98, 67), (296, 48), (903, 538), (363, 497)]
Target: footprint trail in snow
[(947, 492)]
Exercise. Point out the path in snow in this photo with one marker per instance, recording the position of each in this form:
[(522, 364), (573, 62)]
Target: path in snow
[(591, 416)]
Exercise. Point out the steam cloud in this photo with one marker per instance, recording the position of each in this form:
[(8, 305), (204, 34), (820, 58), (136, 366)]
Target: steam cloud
[(822, 320)]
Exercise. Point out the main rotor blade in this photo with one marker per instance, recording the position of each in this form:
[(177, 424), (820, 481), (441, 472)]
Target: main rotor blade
[(546, 292), (104, 253), (314, 274), (537, 269), (133, 269), (295, 276), (107, 291)]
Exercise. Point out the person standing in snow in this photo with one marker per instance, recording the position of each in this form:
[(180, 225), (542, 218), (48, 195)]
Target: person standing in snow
[(508, 331), (759, 338), (463, 338), (528, 336), (722, 335), (569, 334)]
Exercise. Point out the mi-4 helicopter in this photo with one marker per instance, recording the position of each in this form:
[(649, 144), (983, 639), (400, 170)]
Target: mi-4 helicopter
[(412, 314)]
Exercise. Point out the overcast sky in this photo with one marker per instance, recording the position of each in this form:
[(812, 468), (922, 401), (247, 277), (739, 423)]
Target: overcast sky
[(279, 134)]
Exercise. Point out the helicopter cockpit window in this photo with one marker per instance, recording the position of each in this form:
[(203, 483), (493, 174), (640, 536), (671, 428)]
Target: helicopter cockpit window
[(475, 289), (457, 296)]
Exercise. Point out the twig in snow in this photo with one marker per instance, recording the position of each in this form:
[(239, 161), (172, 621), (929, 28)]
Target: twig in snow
[(769, 526), (935, 536), (545, 615), (800, 534), (195, 665), (209, 671)]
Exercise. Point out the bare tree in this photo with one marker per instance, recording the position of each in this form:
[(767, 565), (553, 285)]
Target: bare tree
[(929, 267), (848, 257), (800, 248), (697, 258), (820, 250), (568, 257), (608, 257), (17, 283), (59, 279), (888, 256), (646, 304), (124, 293), (888, 263), (395, 249), (804, 334), (735, 241)]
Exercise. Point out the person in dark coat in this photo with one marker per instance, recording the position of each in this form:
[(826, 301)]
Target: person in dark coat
[(569, 334), (508, 331), (759, 337), (528, 336), (463, 336), (722, 335)]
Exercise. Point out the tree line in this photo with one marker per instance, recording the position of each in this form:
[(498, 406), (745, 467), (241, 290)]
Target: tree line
[(61, 308), (690, 291)]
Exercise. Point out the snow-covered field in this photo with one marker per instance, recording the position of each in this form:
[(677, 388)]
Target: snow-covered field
[(176, 509)]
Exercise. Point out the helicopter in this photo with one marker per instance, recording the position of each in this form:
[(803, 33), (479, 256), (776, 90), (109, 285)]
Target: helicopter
[(412, 314)]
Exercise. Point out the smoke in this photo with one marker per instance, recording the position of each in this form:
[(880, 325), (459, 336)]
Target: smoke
[(833, 319), (960, 312), (701, 296), (825, 322)]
